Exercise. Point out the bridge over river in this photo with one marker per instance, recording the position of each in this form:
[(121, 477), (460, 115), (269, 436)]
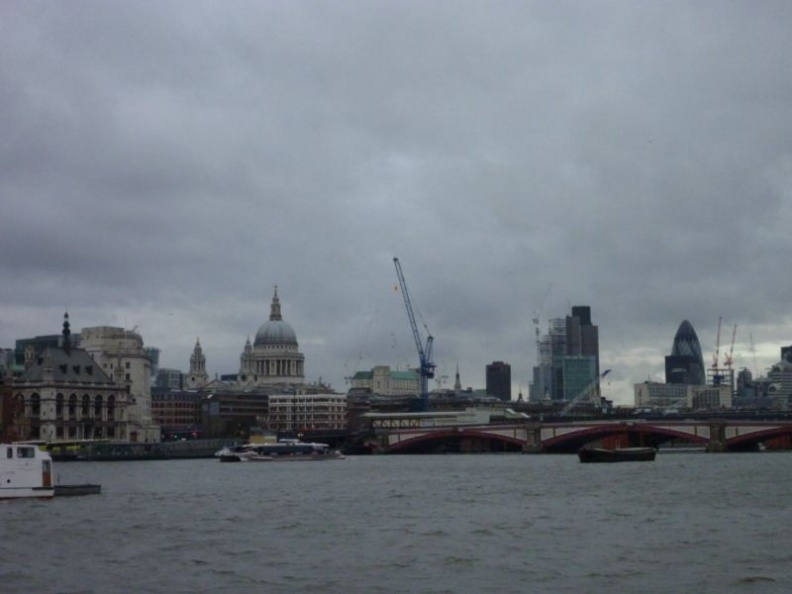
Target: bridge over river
[(566, 437)]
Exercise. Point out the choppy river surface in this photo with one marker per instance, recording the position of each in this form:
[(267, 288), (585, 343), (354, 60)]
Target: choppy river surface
[(392, 524)]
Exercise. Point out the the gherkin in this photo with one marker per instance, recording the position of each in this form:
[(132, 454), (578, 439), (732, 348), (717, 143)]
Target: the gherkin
[(685, 365)]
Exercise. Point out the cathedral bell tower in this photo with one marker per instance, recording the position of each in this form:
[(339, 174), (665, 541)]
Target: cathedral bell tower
[(197, 377)]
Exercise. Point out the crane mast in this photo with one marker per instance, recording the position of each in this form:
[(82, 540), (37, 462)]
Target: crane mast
[(427, 367), (717, 346), (729, 360)]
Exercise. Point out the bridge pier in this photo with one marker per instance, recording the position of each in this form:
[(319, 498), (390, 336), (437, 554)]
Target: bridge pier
[(717, 440), (533, 439)]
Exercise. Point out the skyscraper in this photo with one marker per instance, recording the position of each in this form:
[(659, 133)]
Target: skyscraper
[(499, 380), (568, 357), (685, 364), (582, 335)]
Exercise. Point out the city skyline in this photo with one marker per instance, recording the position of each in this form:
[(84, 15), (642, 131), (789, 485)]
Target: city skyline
[(685, 332), (163, 169)]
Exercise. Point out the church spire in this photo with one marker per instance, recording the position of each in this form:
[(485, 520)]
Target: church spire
[(197, 360), (275, 311), (66, 334), (457, 381), (197, 378)]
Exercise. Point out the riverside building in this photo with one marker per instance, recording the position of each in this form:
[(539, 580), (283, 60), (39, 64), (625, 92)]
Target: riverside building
[(306, 412), (385, 381), (120, 354), (64, 394)]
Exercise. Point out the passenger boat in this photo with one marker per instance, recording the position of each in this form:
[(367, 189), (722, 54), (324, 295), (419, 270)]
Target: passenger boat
[(285, 450), (25, 471), (587, 454)]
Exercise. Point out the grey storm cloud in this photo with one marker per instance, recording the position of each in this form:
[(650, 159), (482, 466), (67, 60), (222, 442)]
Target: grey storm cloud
[(165, 164)]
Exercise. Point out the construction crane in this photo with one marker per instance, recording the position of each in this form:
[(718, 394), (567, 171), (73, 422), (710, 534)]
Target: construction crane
[(427, 367), (535, 318), (584, 394), (717, 346), (727, 362)]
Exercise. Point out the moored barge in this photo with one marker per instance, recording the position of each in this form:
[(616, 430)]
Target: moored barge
[(587, 454)]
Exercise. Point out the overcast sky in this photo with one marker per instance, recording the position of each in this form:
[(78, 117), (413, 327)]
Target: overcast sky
[(163, 165)]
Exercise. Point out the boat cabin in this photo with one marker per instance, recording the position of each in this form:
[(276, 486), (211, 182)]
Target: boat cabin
[(25, 471)]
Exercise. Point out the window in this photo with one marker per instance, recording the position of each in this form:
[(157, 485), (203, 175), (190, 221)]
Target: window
[(25, 452)]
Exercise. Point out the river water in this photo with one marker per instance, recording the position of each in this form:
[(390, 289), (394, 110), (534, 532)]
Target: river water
[(688, 522)]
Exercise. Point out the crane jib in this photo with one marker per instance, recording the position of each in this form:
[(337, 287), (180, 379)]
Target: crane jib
[(424, 354)]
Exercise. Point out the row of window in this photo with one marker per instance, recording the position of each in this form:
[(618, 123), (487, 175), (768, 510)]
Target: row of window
[(86, 406), (307, 408)]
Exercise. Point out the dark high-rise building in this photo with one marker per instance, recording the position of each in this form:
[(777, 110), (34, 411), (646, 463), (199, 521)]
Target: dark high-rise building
[(581, 361), (582, 335), (685, 365), (499, 380)]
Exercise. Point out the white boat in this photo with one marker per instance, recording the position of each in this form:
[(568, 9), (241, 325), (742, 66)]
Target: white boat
[(25, 471), (285, 450)]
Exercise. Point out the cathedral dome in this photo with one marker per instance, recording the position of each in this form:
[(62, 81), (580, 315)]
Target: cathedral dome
[(275, 331)]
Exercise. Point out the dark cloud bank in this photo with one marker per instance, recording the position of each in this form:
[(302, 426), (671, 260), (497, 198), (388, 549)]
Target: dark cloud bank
[(164, 165)]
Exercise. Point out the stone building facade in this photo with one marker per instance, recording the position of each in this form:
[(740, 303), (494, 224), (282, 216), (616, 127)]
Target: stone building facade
[(306, 412), (120, 354), (63, 394), (386, 382)]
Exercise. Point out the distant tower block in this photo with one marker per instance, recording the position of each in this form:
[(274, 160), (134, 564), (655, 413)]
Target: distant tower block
[(685, 365)]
